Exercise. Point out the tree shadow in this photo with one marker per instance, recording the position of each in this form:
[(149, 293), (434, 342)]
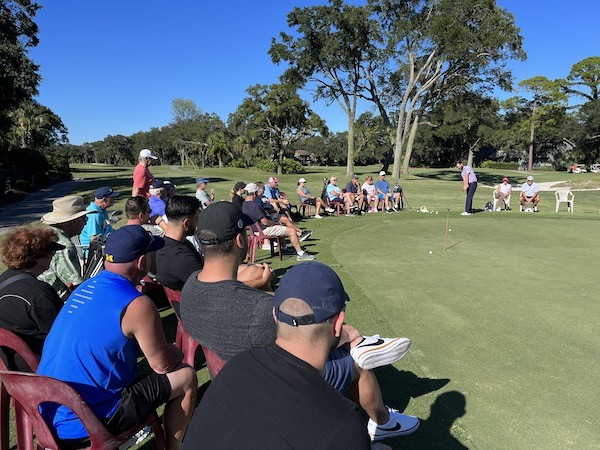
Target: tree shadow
[(399, 386), (485, 178)]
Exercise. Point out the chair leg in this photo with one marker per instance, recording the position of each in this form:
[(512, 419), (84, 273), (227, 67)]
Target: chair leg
[(24, 428), (4, 418)]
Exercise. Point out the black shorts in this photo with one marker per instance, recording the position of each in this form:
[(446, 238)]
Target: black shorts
[(138, 401), (310, 201)]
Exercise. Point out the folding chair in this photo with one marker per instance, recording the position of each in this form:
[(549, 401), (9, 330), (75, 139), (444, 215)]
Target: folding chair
[(9, 340), (183, 340), (214, 363), (31, 390), (256, 238), (303, 207)]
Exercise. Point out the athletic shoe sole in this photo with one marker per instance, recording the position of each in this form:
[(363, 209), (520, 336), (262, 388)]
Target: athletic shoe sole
[(380, 353)]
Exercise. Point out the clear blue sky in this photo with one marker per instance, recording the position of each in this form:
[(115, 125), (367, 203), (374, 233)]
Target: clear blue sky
[(114, 67)]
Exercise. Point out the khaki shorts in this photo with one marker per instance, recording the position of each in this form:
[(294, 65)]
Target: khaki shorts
[(276, 230)]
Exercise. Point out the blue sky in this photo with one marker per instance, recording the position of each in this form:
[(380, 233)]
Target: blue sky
[(114, 67)]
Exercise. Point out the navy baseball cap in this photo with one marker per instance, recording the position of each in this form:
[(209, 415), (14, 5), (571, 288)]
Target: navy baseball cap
[(225, 220), (317, 285), (158, 184), (201, 180), (130, 242), (105, 191)]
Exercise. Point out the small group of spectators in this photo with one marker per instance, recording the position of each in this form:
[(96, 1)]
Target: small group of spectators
[(290, 355), (368, 196)]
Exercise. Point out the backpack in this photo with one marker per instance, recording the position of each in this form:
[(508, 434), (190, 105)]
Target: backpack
[(489, 207)]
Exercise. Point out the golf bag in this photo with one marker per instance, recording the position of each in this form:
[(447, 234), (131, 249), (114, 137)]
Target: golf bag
[(489, 207), (94, 261)]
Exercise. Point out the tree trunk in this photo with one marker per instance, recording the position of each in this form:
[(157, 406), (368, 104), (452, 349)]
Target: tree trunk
[(220, 162), (350, 161), (532, 137), (280, 162), (470, 158), (409, 145)]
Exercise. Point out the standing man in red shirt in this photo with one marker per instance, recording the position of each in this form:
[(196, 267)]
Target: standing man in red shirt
[(142, 177)]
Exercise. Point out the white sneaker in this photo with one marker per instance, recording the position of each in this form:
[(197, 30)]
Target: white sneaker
[(398, 425), (374, 351), (266, 246), (330, 210), (317, 216), (465, 213), (498, 209)]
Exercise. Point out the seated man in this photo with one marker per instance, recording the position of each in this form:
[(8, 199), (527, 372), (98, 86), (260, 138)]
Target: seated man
[(354, 193), (335, 195), (502, 193), (93, 346), (370, 194), (257, 215), (228, 317), (285, 377), (385, 194), (157, 200), (28, 306), (97, 225), (67, 219), (529, 193), (178, 259), (281, 205)]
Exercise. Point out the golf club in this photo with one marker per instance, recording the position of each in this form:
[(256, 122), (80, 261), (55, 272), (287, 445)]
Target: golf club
[(448, 220)]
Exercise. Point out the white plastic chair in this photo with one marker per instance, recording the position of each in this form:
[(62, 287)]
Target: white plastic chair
[(507, 201), (567, 197)]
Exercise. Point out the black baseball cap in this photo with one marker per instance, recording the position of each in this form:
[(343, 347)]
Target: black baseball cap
[(105, 191), (316, 284), (224, 219)]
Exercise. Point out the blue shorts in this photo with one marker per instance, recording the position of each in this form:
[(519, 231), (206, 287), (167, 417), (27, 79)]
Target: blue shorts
[(381, 196), (339, 369), (336, 200)]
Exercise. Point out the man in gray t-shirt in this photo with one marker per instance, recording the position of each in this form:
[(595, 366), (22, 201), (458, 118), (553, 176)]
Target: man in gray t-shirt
[(205, 199)]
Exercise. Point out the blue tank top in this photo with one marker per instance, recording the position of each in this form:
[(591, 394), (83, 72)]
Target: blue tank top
[(87, 348)]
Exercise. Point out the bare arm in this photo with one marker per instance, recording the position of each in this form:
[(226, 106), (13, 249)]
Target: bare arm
[(135, 191), (142, 322)]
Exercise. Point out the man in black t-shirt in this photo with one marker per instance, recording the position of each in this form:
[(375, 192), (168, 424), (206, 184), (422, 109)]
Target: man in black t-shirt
[(278, 395)]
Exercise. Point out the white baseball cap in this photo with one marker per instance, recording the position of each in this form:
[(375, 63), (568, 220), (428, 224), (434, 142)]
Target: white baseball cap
[(147, 154), (529, 178), (382, 173), (251, 188), (302, 180)]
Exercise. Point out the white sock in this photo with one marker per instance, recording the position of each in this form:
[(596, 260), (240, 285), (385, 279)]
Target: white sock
[(301, 252)]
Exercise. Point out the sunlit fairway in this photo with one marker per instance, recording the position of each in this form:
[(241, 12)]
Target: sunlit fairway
[(504, 323)]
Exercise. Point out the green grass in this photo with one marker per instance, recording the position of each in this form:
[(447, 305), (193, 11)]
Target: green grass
[(504, 323)]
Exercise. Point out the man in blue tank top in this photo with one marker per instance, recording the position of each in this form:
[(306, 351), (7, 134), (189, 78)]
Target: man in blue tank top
[(93, 344)]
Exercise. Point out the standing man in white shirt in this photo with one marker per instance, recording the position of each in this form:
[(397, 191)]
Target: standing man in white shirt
[(469, 185)]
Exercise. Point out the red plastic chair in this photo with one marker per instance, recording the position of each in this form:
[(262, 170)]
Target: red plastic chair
[(303, 207), (31, 390), (214, 363), (11, 341), (183, 340), (256, 238)]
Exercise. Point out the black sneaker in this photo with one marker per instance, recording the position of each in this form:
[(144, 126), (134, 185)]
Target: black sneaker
[(305, 235)]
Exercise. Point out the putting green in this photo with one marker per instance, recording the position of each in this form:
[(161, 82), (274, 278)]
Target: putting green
[(509, 314)]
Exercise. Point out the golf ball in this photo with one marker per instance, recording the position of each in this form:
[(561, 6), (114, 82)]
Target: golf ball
[(450, 229), (430, 252), (436, 212)]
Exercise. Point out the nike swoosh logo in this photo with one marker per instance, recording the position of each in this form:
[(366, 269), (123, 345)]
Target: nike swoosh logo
[(395, 428), (379, 342)]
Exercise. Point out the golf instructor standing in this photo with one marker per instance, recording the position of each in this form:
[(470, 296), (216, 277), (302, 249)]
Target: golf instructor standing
[(469, 185)]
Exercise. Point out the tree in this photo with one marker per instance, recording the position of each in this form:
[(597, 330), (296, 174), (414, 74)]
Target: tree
[(331, 45), (218, 146), (185, 110), (586, 73), (435, 48), (546, 96), (19, 76), (36, 126), (279, 116)]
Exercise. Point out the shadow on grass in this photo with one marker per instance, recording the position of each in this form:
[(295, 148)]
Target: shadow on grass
[(485, 178), (400, 386)]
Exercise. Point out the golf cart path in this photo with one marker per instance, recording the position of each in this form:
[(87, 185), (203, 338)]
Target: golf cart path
[(33, 207)]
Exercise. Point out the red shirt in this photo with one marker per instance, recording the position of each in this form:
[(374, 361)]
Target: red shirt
[(142, 179)]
